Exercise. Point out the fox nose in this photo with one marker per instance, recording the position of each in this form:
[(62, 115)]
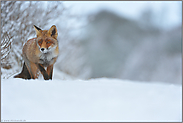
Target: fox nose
[(42, 49)]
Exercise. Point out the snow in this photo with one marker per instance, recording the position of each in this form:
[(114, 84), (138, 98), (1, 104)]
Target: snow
[(101, 99)]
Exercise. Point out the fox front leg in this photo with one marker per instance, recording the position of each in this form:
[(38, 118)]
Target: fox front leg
[(43, 71), (50, 71)]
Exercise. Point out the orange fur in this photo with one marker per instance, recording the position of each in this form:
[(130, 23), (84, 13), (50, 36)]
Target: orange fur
[(40, 52)]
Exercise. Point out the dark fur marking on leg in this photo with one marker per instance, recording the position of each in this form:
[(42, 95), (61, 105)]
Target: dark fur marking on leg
[(43, 71), (24, 73)]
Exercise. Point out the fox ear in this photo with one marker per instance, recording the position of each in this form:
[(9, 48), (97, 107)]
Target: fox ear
[(53, 32), (37, 30)]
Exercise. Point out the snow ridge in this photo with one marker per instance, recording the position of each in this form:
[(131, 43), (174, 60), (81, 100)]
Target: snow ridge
[(92, 100)]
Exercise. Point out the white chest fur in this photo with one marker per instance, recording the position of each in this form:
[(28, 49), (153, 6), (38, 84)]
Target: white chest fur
[(47, 58)]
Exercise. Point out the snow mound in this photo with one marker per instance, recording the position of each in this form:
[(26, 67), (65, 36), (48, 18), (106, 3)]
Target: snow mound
[(89, 100)]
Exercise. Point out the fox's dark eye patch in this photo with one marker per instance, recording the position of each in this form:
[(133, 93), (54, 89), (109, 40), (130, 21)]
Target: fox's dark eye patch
[(48, 41), (40, 41)]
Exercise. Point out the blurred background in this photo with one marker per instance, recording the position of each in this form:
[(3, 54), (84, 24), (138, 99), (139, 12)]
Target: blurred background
[(139, 41)]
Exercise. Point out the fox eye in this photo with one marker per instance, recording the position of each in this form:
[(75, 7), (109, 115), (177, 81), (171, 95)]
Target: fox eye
[(40, 41), (48, 42)]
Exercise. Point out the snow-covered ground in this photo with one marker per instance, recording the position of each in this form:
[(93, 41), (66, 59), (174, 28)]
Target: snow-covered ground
[(101, 99)]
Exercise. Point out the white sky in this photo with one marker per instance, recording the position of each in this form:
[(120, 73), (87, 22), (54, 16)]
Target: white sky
[(131, 9)]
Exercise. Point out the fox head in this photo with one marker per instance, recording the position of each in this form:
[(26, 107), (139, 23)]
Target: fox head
[(46, 39)]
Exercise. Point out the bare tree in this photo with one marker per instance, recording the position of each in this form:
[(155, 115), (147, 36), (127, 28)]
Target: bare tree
[(17, 20)]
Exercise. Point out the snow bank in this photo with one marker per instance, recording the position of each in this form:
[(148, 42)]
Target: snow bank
[(89, 100)]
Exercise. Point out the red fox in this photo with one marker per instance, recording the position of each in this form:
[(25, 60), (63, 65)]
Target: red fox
[(38, 53)]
